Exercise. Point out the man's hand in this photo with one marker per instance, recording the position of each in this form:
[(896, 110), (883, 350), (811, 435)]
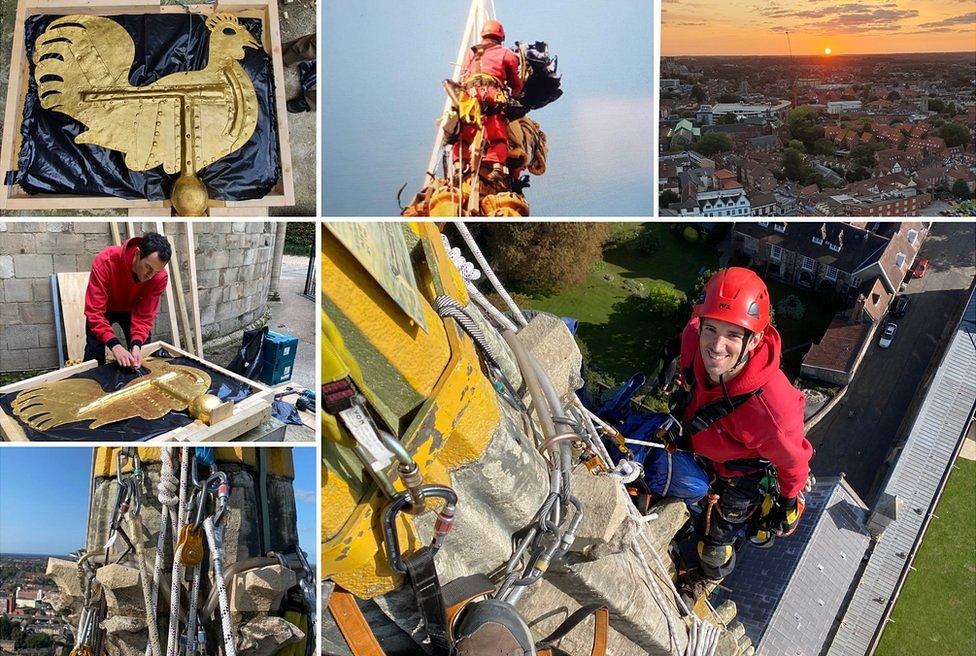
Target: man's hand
[(123, 357), (785, 515), (136, 357)]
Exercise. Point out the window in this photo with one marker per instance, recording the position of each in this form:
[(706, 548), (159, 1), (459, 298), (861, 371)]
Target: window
[(833, 247), (775, 253), (764, 224), (807, 264), (779, 227), (817, 240), (900, 260), (912, 236), (831, 274)]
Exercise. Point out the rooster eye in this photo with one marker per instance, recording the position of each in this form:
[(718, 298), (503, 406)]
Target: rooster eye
[(230, 31)]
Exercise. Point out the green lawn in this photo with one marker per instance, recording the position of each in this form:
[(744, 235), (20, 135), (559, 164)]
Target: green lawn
[(799, 334), (619, 333), (935, 612)]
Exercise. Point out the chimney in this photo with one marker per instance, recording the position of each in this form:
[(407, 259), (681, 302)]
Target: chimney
[(857, 314), (840, 239), (823, 231)]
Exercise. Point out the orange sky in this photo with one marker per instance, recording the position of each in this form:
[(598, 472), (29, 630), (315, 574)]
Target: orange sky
[(754, 27)]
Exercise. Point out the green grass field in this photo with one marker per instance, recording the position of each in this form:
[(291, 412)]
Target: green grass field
[(620, 335), (936, 612)]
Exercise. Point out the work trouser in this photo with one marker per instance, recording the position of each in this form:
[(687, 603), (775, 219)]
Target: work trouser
[(496, 135), (95, 348), (739, 499)]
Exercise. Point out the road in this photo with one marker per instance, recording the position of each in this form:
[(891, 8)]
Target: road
[(857, 436)]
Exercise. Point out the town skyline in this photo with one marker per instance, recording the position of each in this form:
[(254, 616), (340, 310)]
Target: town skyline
[(862, 27)]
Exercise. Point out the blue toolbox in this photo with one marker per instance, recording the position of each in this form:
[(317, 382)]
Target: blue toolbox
[(279, 358)]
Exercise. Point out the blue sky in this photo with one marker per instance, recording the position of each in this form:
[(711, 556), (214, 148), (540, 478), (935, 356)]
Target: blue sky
[(383, 63), (44, 499)]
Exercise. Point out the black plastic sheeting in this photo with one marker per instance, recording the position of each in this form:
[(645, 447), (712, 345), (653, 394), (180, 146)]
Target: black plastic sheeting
[(113, 378), (52, 163)]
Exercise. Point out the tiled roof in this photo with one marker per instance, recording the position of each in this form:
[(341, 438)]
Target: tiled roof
[(915, 479), (788, 595)]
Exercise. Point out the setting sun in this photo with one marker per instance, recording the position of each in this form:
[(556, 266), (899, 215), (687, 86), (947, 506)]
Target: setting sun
[(827, 51)]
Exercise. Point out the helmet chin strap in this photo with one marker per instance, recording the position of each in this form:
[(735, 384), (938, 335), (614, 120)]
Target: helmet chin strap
[(742, 357)]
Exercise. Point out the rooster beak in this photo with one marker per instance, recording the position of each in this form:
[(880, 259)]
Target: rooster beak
[(252, 43)]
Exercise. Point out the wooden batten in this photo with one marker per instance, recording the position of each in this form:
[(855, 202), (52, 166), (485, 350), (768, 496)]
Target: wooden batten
[(12, 197)]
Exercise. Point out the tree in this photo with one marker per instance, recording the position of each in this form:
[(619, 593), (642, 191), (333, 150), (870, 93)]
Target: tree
[(545, 257), (894, 95), (6, 627), (936, 105), (961, 190), (795, 144), (954, 134), (793, 164), (727, 119), (698, 93), (666, 198), (803, 126), (38, 641), (824, 147), (728, 98), (713, 142), (863, 155)]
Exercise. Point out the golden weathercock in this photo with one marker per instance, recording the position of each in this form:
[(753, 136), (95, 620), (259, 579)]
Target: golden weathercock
[(183, 122)]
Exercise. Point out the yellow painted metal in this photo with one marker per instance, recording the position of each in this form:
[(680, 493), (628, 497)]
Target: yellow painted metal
[(182, 122), (452, 427), (278, 460), (165, 388)]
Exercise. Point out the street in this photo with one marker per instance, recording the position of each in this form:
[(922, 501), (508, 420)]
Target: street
[(857, 436)]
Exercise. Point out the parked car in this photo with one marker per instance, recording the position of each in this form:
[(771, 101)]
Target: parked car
[(901, 307), (921, 266), (889, 334)]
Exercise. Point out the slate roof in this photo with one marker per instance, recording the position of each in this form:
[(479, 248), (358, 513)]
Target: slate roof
[(788, 596), (916, 479), (860, 249)]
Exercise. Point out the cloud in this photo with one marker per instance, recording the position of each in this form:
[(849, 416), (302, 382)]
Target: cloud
[(305, 496), (839, 17), (966, 19)]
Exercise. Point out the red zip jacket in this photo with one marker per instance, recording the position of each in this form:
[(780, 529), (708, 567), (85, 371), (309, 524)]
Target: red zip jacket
[(111, 288), (768, 426), (496, 61)]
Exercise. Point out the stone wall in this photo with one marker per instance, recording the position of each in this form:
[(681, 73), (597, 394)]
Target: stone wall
[(233, 261)]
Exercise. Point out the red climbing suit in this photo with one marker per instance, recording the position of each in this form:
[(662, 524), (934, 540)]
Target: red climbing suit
[(768, 426), (488, 68)]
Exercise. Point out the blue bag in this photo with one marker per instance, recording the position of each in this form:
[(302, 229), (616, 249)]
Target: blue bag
[(675, 474)]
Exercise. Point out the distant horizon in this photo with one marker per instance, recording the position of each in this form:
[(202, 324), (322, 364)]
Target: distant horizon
[(835, 55)]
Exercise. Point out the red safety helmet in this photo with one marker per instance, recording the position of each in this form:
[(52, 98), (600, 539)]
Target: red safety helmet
[(493, 28), (738, 296)]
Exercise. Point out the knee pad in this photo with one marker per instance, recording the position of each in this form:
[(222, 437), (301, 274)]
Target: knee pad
[(715, 555)]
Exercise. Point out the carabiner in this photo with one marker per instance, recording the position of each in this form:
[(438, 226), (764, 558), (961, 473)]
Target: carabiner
[(399, 504)]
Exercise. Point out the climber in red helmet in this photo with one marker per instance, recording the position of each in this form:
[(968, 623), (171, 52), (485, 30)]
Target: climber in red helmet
[(490, 73), (742, 417)]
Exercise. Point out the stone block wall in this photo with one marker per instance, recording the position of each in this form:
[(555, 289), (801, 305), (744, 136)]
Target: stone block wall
[(233, 261)]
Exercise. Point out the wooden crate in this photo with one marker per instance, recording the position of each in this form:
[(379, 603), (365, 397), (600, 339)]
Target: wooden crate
[(15, 198), (247, 414)]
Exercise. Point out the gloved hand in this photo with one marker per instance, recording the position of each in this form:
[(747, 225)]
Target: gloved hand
[(785, 515)]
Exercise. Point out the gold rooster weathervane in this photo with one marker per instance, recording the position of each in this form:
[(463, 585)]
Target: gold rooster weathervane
[(182, 122)]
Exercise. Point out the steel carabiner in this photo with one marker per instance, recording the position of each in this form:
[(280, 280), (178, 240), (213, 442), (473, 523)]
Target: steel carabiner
[(400, 503)]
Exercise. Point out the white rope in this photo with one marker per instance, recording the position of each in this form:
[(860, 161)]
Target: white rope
[(470, 273), (136, 521), (486, 268), (173, 643), (217, 559), (191, 613), (166, 491)]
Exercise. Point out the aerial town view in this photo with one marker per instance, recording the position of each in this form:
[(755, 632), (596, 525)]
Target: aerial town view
[(817, 109)]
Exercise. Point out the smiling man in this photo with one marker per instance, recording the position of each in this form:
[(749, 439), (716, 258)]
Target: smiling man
[(124, 288), (744, 417)]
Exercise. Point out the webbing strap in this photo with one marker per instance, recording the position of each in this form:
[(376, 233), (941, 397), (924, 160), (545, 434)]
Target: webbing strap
[(430, 601), (709, 414), (352, 624), (601, 630)]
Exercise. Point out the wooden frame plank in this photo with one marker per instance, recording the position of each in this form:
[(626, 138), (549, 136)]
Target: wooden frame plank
[(71, 290), (194, 293), (174, 329), (12, 197), (247, 414)]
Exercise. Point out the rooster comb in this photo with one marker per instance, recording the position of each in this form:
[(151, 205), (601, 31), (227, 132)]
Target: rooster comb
[(215, 20)]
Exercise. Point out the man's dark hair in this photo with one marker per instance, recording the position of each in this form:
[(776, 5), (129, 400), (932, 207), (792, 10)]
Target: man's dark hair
[(153, 242)]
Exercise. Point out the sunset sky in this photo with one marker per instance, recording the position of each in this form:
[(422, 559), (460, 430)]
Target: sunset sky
[(747, 27)]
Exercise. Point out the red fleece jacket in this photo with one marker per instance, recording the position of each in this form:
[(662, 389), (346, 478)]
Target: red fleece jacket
[(111, 288), (768, 426)]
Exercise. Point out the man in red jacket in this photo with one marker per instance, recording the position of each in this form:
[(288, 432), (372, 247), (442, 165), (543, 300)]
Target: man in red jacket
[(490, 73), (124, 287), (743, 417)]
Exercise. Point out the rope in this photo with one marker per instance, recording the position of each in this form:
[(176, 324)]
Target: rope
[(166, 493), (486, 268), (469, 273), (136, 520), (448, 307), (191, 613), (173, 643), (217, 560)]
